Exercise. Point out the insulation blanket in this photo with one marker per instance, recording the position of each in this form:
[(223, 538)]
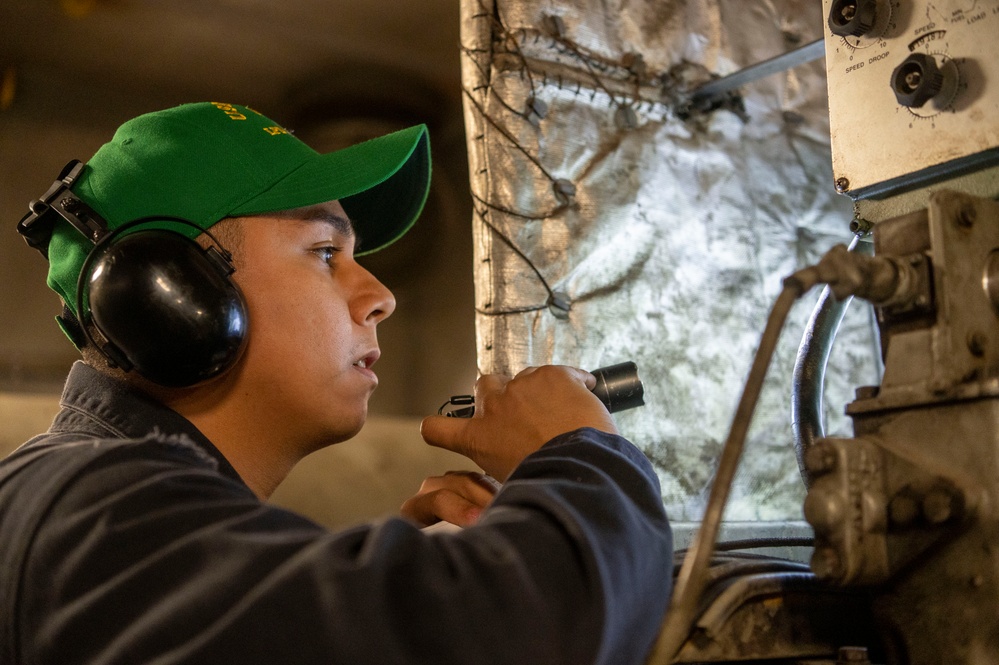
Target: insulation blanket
[(614, 222)]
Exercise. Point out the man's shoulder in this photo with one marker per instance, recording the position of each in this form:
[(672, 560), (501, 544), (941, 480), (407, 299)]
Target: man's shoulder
[(83, 518), (63, 454), (64, 471)]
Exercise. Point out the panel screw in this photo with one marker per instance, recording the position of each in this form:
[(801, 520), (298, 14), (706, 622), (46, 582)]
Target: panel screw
[(842, 184)]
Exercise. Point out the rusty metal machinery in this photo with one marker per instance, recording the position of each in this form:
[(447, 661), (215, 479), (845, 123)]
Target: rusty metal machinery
[(907, 507), (905, 566)]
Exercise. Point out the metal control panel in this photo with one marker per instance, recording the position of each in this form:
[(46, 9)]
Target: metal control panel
[(913, 91)]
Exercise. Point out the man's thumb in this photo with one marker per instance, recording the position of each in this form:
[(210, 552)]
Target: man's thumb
[(444, 432)]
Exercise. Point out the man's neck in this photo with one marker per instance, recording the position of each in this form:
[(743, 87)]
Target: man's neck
[(248, 440)]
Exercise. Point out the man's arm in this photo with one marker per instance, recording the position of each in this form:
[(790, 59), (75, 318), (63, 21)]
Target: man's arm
[(148, 557)]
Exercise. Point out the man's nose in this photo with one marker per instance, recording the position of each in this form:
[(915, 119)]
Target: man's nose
[(375, 302)]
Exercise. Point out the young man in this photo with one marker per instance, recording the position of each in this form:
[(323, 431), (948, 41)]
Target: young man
[(135, 529)]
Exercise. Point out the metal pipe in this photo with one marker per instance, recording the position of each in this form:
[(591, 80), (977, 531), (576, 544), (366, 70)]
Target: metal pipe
[(718, 88), (808, 379)]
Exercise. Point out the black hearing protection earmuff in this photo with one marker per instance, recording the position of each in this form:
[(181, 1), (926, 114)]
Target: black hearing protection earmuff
[(164, 305)]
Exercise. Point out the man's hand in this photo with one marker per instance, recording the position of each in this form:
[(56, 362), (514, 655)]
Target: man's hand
[(458, 497), (514, 417)]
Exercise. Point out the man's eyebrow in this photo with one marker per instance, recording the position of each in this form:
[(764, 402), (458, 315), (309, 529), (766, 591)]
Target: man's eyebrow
[(340, 223)]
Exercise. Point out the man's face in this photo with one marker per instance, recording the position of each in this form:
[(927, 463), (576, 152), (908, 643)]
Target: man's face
[(313, 311)]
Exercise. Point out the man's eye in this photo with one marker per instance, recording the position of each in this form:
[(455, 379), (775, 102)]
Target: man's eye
[(327, 254)]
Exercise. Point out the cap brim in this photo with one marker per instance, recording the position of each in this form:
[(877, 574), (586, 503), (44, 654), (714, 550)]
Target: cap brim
[(382, 184)]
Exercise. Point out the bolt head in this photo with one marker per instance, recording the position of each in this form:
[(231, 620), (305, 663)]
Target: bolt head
[(966, 216), (823, 510), (939, 506), (978, 343), (820, 458), (903, 510), (826, 563)]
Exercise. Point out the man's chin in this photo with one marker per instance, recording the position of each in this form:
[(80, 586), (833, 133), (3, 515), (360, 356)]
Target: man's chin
[(343, 431)]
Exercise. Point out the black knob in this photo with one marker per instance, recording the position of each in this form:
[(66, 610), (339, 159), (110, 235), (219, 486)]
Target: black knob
[(917, 80), (852, 18)]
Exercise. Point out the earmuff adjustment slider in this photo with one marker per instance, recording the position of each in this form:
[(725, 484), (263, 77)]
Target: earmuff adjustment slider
[(36, 226)]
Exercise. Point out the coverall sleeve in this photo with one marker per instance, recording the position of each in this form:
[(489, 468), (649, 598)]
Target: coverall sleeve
[(150, 558)]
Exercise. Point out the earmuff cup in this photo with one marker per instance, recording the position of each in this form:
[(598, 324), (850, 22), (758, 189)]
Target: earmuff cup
[(166, 306), (162, 304)]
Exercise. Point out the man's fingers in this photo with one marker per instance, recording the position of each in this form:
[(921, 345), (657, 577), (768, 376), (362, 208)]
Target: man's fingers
[(441, 505), (457, 497), (471, 485), (514, 417), (474, 486), (489, 383), (581, 375), (444, 432)]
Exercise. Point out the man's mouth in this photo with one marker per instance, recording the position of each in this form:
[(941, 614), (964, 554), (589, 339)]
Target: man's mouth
[(367, 361)]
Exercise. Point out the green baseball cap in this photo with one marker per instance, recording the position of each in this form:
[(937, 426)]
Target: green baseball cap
[(207, 161)]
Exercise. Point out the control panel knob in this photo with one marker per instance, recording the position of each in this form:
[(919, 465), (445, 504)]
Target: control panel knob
[(852, 18), (917, 80)]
